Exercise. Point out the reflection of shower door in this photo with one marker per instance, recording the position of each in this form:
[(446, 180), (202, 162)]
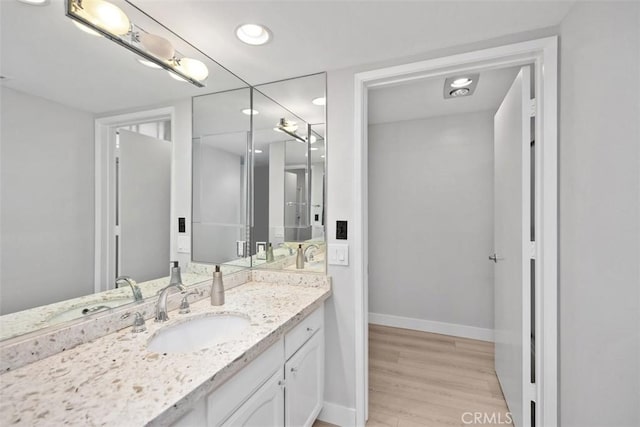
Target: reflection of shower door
[(512, 287), (142, 206)]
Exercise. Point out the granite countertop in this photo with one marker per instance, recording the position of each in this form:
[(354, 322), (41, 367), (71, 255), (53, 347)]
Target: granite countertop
[(116, 380), (34, 319)]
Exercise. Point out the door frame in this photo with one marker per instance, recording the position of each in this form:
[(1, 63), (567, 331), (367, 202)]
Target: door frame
[(543, 54), (104, 147)]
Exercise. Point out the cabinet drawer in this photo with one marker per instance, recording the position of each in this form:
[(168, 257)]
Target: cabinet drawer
[(295, 338)]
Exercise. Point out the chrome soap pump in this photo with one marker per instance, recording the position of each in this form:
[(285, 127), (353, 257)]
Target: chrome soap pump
[(217, 288), (300, 258), (176, 278), (270, 253)]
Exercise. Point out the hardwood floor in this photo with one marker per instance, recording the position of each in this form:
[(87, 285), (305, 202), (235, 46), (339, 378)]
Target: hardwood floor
[(420, 379)]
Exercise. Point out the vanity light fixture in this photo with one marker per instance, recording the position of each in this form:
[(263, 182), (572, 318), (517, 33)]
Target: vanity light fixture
[(319, 101), (290, 128), (253, 34), (250, 112), (106, 19)]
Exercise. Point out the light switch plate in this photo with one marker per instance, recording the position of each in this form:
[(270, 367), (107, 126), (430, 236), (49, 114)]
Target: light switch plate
[(184, 244), (338, 253)]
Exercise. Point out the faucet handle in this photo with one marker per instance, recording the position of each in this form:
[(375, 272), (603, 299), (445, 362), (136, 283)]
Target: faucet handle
[(138, 324), (184, 305)]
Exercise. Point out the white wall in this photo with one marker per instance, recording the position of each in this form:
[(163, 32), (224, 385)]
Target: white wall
[(431, 219), (600, 215), (599, 212), (47, 212)]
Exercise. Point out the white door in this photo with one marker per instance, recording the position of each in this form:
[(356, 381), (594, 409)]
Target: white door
[(144, 206), (304, 374), (512, 322)]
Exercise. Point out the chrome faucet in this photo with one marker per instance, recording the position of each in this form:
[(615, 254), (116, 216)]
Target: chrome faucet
[(161, 306), (137, 294), (309, 257), (284, 245)]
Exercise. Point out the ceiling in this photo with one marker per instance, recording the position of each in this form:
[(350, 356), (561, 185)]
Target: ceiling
[(45, 55), (313, 36), (423, 98)]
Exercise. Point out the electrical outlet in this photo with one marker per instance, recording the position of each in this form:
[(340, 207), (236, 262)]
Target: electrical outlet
[(341, 230)]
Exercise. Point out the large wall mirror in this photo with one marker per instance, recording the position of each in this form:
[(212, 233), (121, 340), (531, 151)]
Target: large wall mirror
[(289, 175), (76, 214), (221, 140)]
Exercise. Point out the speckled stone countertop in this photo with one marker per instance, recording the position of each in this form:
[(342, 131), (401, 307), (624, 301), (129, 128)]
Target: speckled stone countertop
[(116, 381)]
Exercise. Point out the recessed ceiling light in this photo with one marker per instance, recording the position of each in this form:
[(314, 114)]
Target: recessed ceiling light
[(313, 139), (322, 156), (319, 101), (250, 112), (461, 82), (35, 2), (459, 92), (148, 63), (253, 34), (314, 148), (257, 151)]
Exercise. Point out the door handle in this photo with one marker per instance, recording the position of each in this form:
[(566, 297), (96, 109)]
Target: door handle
[(495, 258)]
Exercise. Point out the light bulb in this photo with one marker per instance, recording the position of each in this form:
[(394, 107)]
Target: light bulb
[(106, 16), (193, 68), (157, 46), (250, 112), (462, 82), (319, 101)]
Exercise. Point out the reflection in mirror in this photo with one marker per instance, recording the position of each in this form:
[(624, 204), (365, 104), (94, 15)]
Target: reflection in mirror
[(221, 135), (69, 223), (289, 175)]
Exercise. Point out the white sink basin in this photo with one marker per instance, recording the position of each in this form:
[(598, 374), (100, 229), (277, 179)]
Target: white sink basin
[(198, 333)]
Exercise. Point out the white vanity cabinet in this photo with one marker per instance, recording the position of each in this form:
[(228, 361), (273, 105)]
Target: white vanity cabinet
[(304, 376), (284, 386), (264, 408)]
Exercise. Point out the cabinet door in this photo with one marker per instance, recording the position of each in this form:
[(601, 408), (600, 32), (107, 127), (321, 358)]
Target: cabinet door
[(264, 408), (304, 374)]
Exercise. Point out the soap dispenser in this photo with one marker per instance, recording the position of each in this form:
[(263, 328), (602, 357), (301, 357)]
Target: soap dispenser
[(176, 278), (217, 288), (270, 253), (300, 258)]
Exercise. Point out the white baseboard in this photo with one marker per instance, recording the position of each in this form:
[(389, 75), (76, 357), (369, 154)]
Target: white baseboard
[(338, 415), (453, 329)]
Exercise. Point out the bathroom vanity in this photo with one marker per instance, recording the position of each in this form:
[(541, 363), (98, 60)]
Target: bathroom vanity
[(272, 372)]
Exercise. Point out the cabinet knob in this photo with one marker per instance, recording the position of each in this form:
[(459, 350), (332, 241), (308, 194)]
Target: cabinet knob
[(309, 329), (294, 370)]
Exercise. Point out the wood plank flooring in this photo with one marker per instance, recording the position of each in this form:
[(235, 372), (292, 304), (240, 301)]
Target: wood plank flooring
[(420, 379)]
